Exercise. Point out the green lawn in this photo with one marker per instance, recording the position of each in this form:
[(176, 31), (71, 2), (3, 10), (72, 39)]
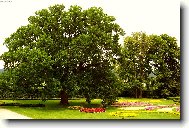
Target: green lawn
[(55, 111)]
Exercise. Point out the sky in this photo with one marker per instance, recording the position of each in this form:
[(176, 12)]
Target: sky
[(150, 16)]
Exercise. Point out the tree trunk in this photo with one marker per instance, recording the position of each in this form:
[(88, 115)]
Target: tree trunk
[(64, 98), (140, 93), (136, 92)]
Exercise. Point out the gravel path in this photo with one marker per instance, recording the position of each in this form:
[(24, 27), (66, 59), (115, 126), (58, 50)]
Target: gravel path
[(7, 114)]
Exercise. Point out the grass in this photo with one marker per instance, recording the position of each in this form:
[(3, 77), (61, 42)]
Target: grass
[(55, 111)]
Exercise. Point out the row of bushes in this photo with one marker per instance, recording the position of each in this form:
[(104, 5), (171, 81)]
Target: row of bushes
[(22, 105)]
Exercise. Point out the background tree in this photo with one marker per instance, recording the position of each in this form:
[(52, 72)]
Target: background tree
[(151, 63), (135, 63), (65, 51), (5, 89), (165, 57)]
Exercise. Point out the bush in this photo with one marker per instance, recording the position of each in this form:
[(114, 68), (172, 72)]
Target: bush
[(10, 104), (22, 105)]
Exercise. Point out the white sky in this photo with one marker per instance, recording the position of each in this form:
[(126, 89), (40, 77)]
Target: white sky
[(150, 16)]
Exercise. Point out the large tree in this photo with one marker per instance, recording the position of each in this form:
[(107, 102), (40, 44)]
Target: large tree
[(69, 51)]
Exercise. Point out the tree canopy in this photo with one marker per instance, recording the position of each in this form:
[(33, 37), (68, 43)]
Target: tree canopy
[(71, 51), (152, 63), (75, 52), (165, 56)]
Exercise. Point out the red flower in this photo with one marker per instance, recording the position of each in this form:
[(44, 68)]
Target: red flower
[(92, 110)]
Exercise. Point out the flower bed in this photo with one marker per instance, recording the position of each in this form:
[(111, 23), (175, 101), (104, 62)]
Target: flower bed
[(132, 108), (142, 111), (151, 107), (75, 107), (92, 110), (131, 104), (134, 113), (123, 114)]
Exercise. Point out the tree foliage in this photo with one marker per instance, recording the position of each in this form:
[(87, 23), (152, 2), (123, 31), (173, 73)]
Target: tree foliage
[(4, 85), (151, 63), (165, 55), (134, 68), (70, 51)]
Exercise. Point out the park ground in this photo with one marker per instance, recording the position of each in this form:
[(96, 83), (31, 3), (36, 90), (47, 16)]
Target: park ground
[(124, 108), (7, 114)]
